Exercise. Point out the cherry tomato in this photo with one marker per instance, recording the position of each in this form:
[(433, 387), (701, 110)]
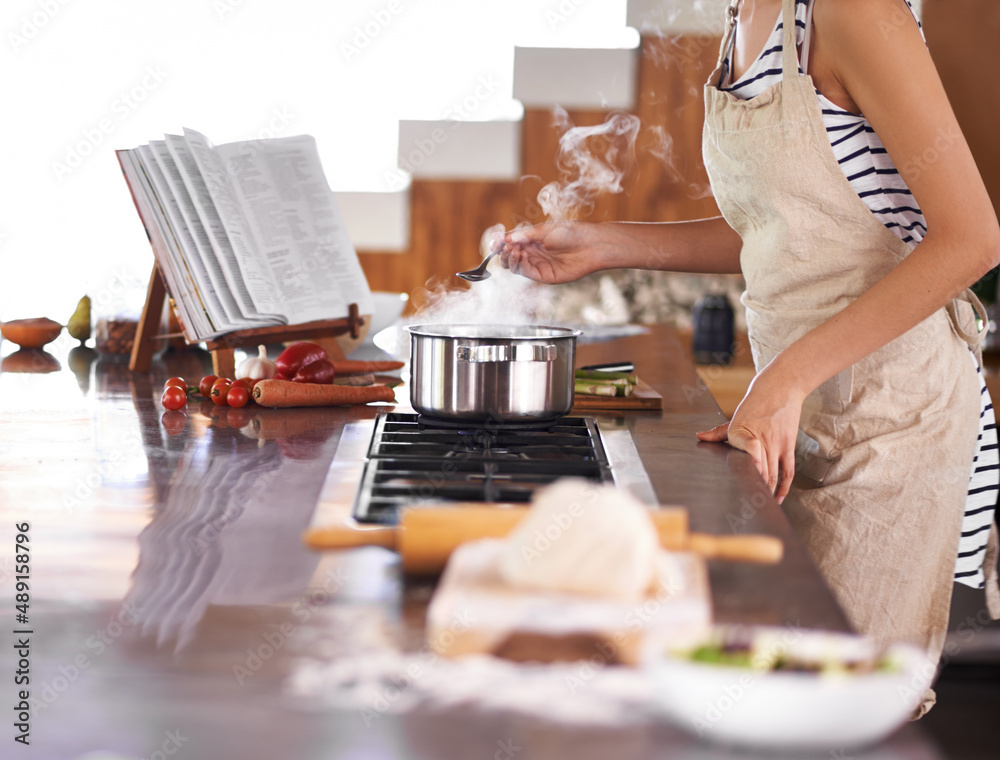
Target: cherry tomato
[(244, 382), (174, 397), (238, 418), (178, 382), (219, 390), (219, 419), (237, 396), (205, 386), (173, 421)]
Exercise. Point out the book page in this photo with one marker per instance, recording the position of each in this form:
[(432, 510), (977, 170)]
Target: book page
[(223, 308), (297, 225), (207, 299), (207, 213), (165, 247), (252, 263)]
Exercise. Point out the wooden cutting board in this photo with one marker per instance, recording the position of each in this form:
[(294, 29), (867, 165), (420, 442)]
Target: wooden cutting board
[(643, 397), (474, 612)]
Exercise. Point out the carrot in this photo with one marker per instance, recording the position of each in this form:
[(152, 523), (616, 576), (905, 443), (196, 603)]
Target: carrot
[(286, 393), (355, 367)]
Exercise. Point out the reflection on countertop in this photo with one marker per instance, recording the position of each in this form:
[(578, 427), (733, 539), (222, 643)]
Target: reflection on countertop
[(172, 594)]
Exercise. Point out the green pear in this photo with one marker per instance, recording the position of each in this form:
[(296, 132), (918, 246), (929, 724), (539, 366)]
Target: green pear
[(79, 324)]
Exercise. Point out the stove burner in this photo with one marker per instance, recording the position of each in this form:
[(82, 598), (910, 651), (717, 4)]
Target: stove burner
[(492, 425), (414, 459)]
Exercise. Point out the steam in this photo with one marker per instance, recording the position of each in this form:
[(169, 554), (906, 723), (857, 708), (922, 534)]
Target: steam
[(505, 298), (592, 161), (662, 147), (684, 31)]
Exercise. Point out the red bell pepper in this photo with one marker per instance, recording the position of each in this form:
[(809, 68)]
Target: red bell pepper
[(298, 355), (320, 371)]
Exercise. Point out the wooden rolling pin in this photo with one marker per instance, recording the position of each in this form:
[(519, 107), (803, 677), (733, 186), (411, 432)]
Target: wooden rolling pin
[(426, 536)]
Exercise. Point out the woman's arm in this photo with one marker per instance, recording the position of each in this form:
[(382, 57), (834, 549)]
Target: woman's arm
[(557, 252), (877, 54)]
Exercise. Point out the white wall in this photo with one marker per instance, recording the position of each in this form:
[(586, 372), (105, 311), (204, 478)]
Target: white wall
[(83, 78)]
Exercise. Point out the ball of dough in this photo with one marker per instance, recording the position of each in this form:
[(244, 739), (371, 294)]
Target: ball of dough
[(584, 538)]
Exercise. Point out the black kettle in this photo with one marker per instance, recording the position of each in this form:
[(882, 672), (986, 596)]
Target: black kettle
[(712, 340)]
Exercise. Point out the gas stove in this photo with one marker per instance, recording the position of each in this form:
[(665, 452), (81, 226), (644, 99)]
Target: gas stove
[(412, 459)]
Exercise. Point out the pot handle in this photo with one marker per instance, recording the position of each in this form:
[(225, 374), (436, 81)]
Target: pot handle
[(518, 352)]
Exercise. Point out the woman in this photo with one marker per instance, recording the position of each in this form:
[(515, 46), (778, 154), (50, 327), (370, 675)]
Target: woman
[(853, 208)]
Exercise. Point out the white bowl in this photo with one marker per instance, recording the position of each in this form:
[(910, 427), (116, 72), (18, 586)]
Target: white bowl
[(761, 708), (388, 309)]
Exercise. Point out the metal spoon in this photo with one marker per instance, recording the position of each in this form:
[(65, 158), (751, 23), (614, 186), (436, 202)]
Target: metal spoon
[(479, 273)]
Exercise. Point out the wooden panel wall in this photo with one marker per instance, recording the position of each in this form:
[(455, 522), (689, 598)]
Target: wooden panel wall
[(449, 217), (964, 39)]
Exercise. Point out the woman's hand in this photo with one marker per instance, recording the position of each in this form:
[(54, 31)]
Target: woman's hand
[(765, 425), (553, 252)]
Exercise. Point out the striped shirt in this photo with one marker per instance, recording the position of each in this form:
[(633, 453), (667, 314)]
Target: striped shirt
[(869, 169)]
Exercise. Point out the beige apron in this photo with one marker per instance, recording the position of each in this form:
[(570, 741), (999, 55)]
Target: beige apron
[(893, 435)]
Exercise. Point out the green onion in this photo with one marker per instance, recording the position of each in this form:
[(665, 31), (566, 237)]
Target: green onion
[(583, 374), (594, 389)]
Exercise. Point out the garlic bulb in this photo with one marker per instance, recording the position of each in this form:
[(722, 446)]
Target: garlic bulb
[(257, 367)]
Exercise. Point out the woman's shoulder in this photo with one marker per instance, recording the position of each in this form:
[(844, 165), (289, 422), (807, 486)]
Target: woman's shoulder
[(866, 33), (881, 18), (858, 42)]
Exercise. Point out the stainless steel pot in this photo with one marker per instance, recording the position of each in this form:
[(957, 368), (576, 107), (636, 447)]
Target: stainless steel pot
[(506, 373)]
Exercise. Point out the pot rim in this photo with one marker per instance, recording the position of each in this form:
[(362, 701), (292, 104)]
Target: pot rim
[(493, 331)]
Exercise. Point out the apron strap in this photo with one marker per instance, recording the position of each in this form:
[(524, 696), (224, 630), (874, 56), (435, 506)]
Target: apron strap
[(789, 48), (807, 40), (973, 339), (727, 37)]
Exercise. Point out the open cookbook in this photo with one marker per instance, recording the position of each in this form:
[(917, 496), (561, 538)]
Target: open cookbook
[(246, 234)]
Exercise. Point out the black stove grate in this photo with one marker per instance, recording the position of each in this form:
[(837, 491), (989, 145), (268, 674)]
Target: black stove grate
[(412, 460)]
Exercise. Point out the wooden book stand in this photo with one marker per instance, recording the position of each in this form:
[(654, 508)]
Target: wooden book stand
[(223, 357)]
